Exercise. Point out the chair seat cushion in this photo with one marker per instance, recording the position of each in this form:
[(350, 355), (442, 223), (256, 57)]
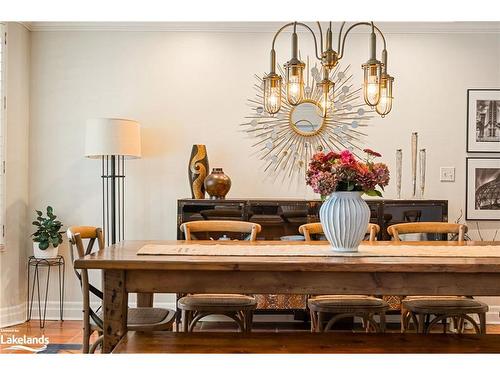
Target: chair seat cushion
[(203, 301), (442, 298), (147, 315), (443, 304), (338, 303), (139, 316)]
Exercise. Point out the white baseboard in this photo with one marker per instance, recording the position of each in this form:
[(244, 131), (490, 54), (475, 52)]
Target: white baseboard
[(12, 315), (71, 311), (493, 316)]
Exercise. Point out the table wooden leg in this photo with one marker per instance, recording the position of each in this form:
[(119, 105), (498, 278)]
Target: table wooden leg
[(115, 308), (145, 299), (421, 323)]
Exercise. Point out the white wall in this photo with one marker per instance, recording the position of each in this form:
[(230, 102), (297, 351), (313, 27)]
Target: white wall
[(191, 87), (13, 259)]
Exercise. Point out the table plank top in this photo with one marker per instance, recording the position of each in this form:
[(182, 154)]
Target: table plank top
[(124, 256)]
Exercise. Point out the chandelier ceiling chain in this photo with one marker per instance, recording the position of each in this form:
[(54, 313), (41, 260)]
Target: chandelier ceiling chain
[(377, 83)]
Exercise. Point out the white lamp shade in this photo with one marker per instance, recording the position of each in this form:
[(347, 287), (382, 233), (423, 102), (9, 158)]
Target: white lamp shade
[(111, 136)]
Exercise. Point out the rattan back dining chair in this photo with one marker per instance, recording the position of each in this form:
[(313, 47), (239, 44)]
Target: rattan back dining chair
[(220, 226), (457, 231), (238, 307), (427, 311), (139, 319), (326, 310), (311, 229)]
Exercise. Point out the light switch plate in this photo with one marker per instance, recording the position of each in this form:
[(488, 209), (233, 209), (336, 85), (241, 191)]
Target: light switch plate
[(447, 174)]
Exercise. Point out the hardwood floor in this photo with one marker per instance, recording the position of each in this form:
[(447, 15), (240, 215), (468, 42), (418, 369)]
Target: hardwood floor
[(66, 337)]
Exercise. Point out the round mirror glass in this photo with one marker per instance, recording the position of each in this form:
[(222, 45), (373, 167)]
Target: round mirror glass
[(306, 119)]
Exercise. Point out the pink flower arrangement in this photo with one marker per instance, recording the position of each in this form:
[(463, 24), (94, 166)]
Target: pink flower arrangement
[(334, 171)]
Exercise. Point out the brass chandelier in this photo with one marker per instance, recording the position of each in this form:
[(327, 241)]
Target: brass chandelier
[(377, 83)]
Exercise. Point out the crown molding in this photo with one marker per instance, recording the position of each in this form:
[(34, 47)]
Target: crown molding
[(262, 27), (27, 25)]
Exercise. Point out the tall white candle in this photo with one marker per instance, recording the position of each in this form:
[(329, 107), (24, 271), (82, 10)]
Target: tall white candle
[(399, 167), (422, 171), (414, 143)]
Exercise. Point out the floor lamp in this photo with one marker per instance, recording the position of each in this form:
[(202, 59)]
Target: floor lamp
[(112, 141)]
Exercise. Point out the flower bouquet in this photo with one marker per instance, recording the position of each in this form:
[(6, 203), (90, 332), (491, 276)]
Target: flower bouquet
[(341, 179), (334, 171)]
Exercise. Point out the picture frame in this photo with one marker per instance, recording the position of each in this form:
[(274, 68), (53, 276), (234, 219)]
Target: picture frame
[(482, 197), (483, 120)]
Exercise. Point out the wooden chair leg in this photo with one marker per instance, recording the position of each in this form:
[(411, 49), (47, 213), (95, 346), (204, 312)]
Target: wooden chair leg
[(382, 322), (86, 337), (482, 323), (421, 323), (98, 342), (404, 320), (366, 323), (184, 321), (460, 325), (454, 321), (248, 320), (313, 321), (319, 322)]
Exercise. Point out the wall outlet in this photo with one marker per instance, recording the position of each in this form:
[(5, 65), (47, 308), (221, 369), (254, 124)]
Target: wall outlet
[(447, 174)]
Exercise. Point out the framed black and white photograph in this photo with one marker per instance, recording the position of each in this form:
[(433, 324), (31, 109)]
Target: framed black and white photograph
[(483, 189), (483, 120)]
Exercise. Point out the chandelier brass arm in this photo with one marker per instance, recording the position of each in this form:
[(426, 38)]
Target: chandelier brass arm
[(371, 24), (320, 36), (340, 35), (297, 24)]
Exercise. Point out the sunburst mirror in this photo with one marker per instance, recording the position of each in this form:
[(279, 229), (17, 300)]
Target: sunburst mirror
[(285, 141)]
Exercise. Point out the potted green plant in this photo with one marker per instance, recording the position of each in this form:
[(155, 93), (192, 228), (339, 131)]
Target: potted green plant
[(48, 235)]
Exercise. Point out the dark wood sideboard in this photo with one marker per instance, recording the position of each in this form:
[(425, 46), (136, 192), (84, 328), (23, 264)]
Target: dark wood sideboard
[(282, 217)]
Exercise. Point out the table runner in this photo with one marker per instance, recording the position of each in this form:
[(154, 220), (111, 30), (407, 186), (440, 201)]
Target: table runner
[(406, 250)]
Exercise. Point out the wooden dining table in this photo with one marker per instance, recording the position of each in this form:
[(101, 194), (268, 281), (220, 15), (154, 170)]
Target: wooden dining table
[(126, 271)]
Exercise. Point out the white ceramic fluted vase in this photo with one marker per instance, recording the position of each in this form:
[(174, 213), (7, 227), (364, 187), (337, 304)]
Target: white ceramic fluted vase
[(345, 217)]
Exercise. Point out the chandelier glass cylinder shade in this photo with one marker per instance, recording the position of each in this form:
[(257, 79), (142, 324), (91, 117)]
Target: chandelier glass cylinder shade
[(384, 105), (272, 88), (295, 75), (327, 89), (377, 83), (371, 83), (295, 82), (272, 93)]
